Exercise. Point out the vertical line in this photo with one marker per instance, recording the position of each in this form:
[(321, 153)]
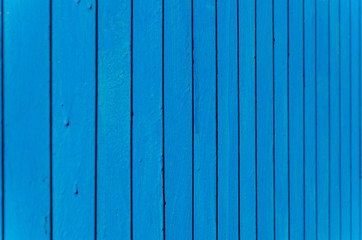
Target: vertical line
[(315, 116), (216, 117), (288, 118), (51, 113), (273, 119), (2, 123), (350, 121), (329, 121), (96, 127), (163, 121), (193, 117), (303, 120), (131, 127), (340, 114), (238, 86), (359, 117), (256, 129)]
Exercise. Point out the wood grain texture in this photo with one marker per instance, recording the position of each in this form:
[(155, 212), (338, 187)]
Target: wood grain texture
[(73, 106), (310, 179), (114, 120), (178, 119), (227, 97), (345, 119), (264, 119), (247, 111), (147, 136), (335, 127), (26, 105), (322, 103), (204, 27), (281, 118)]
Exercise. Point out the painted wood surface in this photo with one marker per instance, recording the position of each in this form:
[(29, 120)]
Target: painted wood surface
[(194, 119)]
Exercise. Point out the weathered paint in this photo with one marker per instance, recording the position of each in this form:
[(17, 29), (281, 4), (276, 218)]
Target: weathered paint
[(176, 119)]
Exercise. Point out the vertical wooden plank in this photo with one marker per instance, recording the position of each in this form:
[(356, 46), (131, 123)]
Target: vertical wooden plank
[(296, 118), (355, 231), (147, 130), (322, 102), (114, 118), (264, 130), (227, 119), (26, 99), (178, 119), (74, 101), (281, 118), (310, 120), (345, 120), (204, 24), (335, 207), (247, 113)]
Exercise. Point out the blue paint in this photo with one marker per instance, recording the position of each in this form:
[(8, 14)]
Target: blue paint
[(73, 114), (264, 119), (114, 120), (310, 189), (296, 120), (147, 132), (178, 119), (204, 37), (281, 118), (247, 103), (181, 120), (355, 147), (335, 127), (345, 120), (228, 149), (322, 104), (26, 105)]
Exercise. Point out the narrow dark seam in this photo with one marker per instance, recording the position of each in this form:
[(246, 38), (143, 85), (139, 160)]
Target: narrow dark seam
[(163, 123), (256, 128), (51, 115), (329, 123), (238, 86), (96, 127), (131, 127), (303, 120), (350, 120), (216, 129), (288, 119), (315, 116), (273, 120), (359, 118), (340, 120), (193, 118), (2, 123)]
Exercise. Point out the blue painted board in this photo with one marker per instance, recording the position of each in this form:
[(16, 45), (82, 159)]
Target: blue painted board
[(281, 118), (335, 127), (205, 158), (345, 120), (310, 189), (114, 120), (322, 103), (296, 119), (247, 111), (355, 164), (147, 122), (73, 113), (264, 119), (227, 97), (178, 119), (27, 107)]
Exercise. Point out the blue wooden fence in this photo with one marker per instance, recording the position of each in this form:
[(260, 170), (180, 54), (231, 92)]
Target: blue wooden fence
[(174, 119)]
